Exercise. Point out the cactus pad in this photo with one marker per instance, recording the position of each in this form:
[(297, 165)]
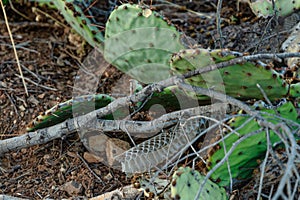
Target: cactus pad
[(244, 158), (295, 90), (264, 8), (187, 182), (140, 43), (239, 80), (77, 106), (74, 15)]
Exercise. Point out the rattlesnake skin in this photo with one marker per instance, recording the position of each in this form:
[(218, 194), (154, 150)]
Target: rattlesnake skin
[(161, 148), (164, 147)]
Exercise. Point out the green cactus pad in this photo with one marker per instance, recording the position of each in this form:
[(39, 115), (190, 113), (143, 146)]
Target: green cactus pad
[(264, 8), (171, 99), (74, 15), (78, 106), (186, 183), (239, 80), (243, 159), (140, 43), (295, 90)]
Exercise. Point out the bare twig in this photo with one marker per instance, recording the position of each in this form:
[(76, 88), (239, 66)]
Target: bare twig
[(135, 128), (263, 167), (42, 86), (12, 102), (240, 60), (16, 11), (216, 95), (36, 10), (218, 22)]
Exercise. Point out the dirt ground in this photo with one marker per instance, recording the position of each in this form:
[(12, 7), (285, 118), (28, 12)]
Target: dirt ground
[(50, 54)]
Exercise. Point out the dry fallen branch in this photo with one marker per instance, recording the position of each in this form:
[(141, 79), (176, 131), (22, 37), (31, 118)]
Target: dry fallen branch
[(135, 128)]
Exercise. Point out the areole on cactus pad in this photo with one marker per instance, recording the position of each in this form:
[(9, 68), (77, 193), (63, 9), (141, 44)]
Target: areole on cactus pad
[(65, 110), (239, 80), (140, 43), (74, 15), (266, 8), (186, 184)]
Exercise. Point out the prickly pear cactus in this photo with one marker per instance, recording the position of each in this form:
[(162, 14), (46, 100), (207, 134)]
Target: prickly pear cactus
[(264, 8), (239, 80), (78, 106), (74, 15), (244, 158), (187, 182), (295, 90), (140, 43)]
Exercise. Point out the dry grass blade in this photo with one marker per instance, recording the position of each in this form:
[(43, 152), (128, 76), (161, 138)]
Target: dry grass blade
[(14, 47)]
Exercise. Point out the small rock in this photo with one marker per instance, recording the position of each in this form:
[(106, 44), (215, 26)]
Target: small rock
[(33, 100), (96, 141), (71, 154), (108, 177), (22, 108), (115, 147), (72, 188), (91, 158), (31, 67), (41, 96), (2, 84)]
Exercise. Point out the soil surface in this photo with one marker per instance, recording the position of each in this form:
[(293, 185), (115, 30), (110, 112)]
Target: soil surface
[(51, 54)]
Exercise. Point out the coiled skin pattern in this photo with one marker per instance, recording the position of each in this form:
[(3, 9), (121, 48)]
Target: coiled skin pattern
[(162, 148)]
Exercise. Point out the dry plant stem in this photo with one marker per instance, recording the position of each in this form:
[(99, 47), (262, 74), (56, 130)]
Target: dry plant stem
[(71, 125), (67, 127), (216, 95), (12, 102), (228, 164), (263, 167), (7, 197), (264, 32), (20, 47), (150, 128), (292, 149), (218, 22), (264, 94), (16, 11), (42, 86), (36, 10), (207, 15), (14, 48)]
